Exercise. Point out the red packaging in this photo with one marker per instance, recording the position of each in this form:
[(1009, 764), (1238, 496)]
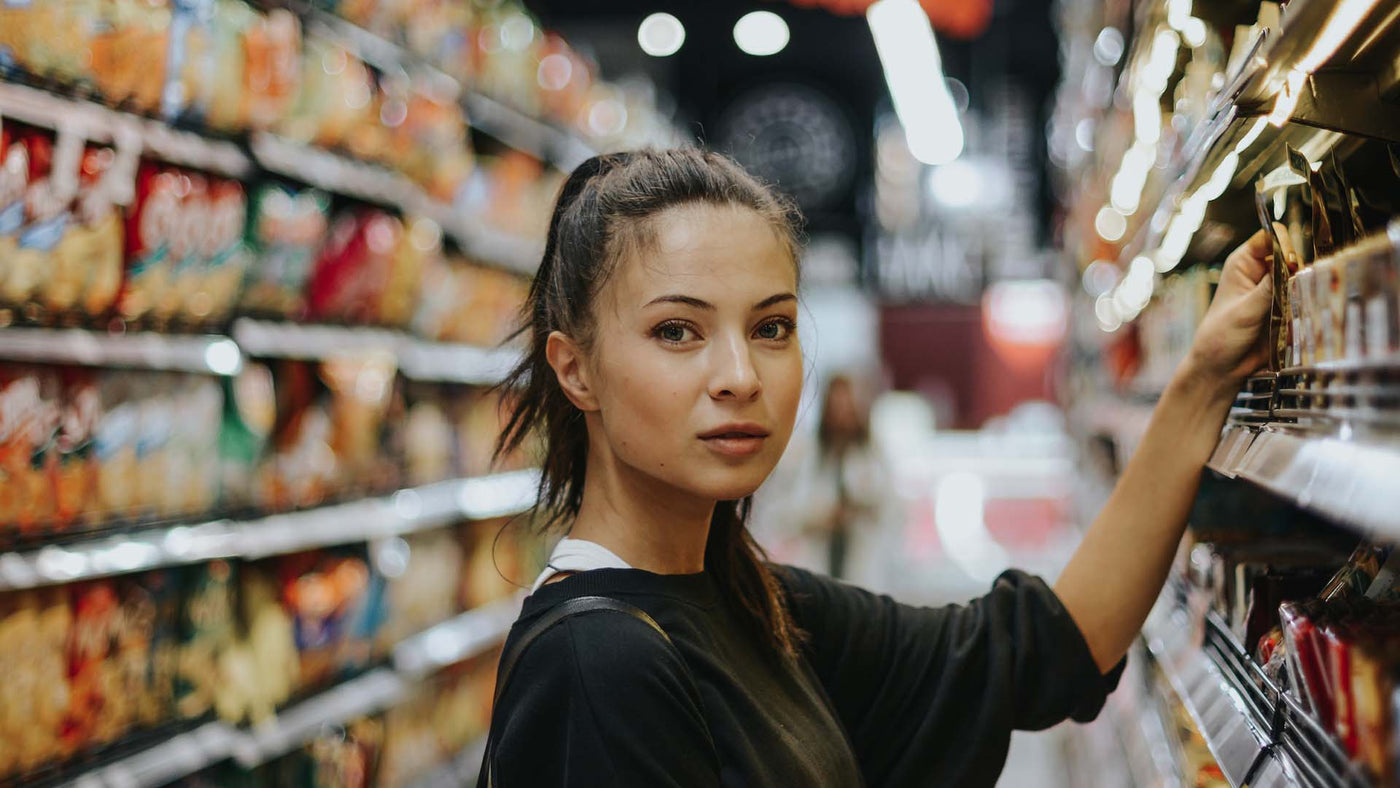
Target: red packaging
[(187, 234), (96, 712), (1306, 664), (354, 267), (151, 226), (75, 474), (1338, 642), (225, 256)]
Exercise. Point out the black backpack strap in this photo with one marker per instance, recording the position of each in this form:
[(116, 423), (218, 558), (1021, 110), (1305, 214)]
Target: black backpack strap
[(573, 607)]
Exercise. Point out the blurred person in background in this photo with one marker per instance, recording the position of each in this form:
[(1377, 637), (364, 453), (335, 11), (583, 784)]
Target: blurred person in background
[(832, 501)]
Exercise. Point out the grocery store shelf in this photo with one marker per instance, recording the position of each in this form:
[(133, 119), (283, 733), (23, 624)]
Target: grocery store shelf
[(406, 511), (101, 124), (457, 639), (419, 360), (162, 764), (336, 173), (461, 771), (522, 132), (210, 354), (1259, 736), (1348, 481), (186, 753), (291, 728)]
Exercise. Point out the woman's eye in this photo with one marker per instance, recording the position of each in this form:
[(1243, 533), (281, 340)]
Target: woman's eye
[(672, 332), (774, 329)]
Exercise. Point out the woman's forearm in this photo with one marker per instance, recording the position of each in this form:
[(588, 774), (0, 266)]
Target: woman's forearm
[(1115, 576)]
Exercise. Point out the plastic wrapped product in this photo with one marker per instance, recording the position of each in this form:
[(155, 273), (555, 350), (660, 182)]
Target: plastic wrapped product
[(75, 475), (225, 256), (129, 52), (207, 628), (152, 227), (47, 204), (286, 229)]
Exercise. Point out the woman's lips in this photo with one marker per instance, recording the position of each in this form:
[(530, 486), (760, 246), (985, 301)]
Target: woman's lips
[(738, 439), (735, 445)]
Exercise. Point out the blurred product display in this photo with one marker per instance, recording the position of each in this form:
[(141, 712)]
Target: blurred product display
[(1182, 130)]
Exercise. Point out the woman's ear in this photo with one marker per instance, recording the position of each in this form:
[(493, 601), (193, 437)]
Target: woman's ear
[(567, 360)]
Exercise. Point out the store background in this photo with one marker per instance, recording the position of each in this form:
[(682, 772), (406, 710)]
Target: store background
[(258, 260)]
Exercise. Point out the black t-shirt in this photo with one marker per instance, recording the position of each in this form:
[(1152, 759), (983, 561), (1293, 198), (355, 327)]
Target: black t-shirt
[(884, 694)]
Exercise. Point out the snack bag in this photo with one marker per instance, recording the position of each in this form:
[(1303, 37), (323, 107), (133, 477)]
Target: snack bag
[(421, 243), (129, 52), (151, 229), (186, 248), (285, 231), (354, 267), (318, 593), (207, 629), (189, 57), (15, 19), (87, 261), (273, 68), (148, 644), (34, 630), (43, 50), (28, 426), (114, 447), (360, 387), (158, 473), (248, 416), (97, 713), (46, 216), (75, 478), (225, 257), (218, 79), (302, 469)]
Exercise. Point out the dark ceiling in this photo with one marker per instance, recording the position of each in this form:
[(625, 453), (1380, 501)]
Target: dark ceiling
[(833, 55)]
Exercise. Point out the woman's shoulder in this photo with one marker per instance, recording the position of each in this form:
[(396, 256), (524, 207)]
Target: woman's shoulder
[(605, 648)]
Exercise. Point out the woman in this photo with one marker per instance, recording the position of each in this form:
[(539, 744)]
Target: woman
[(664, 376)]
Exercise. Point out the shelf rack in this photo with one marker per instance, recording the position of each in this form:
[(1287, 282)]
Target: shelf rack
[(406, 511), (418, 359), (462, 637), (1258, 734)]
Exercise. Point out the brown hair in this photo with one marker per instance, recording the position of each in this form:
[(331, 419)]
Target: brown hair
[(603, 212)]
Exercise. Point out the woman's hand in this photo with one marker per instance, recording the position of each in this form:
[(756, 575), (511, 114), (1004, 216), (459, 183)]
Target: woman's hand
[(1232, 340)]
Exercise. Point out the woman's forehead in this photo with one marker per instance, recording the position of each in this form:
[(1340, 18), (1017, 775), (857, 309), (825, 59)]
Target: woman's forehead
[(718, 249)]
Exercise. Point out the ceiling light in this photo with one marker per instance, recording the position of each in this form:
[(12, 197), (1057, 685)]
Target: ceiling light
[(661, 35), (761, 33), (914, 73)]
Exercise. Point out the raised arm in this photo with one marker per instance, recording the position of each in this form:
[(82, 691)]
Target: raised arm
[(1114, 577)]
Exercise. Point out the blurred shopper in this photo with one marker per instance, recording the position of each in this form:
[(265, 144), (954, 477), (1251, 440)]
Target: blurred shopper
[(831, 504)]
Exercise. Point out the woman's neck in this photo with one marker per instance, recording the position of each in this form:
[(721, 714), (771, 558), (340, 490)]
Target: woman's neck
[(646, 523)]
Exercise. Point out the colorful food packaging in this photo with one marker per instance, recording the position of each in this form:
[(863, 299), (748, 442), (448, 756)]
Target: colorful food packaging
[(354, 267), (286, 229), (155, 225), (87, 269), (129, 52), (115, 443), (272, 45), (34, 640), (207, 630), (361, 387), (75, 477), (46, 215), (225, 256)]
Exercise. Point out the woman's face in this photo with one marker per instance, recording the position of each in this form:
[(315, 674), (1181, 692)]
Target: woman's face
[(695, 365)]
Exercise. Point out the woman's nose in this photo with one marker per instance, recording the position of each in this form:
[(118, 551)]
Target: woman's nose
[(734, 375)]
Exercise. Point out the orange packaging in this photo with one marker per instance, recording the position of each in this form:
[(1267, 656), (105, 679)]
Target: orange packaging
[(273, 68), (75, 472), (129, 52)]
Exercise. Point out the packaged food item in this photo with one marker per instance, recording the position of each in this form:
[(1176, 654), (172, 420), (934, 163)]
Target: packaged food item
[(225, 256), (97, 712), (272, 45), (115, 443), (154, 227), (207, 629), (47, 200), (158, 473), (198, 408), (75, 477), (249, 415), (286, 229), (361, 387), (187, 236), (34, 641), (301, 469), (319, 592), (218, 77), (188, 56), (129, 52), (149, 643), (423, 589), (428, 437), (348, 758), (420, 242), (14, 183), (87, 261), (334, 97), (353, 268), (57, 38)]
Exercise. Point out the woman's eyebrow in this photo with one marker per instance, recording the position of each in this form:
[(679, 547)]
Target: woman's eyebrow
[(774, 299), (682, 299)]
